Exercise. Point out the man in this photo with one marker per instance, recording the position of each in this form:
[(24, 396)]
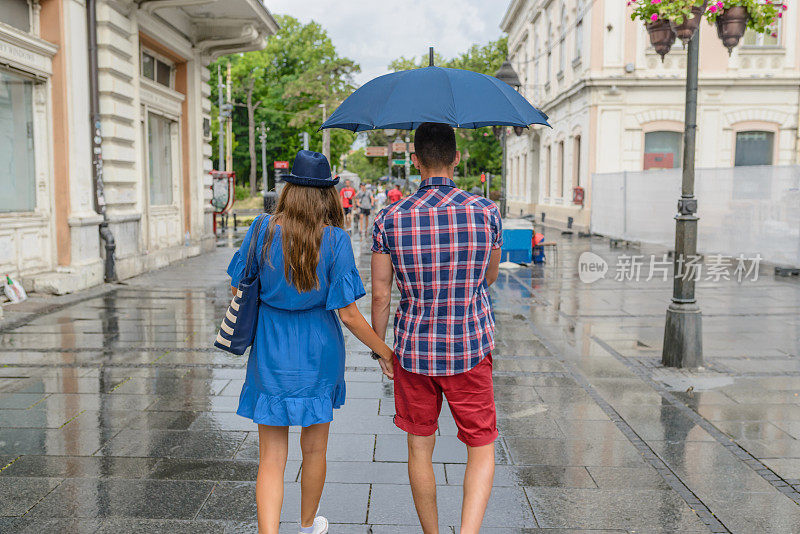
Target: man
[(347, 193), (395, 194), (443, 245), (364, 201)]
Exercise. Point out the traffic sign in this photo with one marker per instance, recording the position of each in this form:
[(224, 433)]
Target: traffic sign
[(281, 164), (398, 162), (401, 147), (377, 151)]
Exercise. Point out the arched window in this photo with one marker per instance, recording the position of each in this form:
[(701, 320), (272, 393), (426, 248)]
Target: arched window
[(560, 169), (576, 161), (578, 31), (562, 55), (536, 69), (549, 52), (754, 148), (662, 150), (548, 169)]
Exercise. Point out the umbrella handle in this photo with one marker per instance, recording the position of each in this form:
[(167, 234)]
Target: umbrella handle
[(430, 56)]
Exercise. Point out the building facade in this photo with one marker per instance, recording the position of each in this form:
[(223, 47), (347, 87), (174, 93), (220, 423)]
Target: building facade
[(154, 132), (615, 106)]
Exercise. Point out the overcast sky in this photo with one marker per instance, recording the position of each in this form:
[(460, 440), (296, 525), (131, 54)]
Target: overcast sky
[(374, 32)]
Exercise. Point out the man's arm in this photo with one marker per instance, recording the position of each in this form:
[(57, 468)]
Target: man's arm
[(493, 270), (382, 273)]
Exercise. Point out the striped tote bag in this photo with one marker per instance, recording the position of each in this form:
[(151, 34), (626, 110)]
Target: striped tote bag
[(238, 327)]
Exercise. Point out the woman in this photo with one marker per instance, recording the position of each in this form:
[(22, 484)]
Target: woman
[(295, 373)]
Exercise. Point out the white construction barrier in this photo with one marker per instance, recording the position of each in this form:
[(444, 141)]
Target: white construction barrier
[(743, 210)]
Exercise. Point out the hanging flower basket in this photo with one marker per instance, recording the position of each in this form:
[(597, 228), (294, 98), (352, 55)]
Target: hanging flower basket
[(731, 25), (686, 29), (661, 37), (733, 17)]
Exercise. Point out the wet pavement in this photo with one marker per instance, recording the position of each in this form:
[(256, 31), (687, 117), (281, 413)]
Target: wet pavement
[(117, 415)]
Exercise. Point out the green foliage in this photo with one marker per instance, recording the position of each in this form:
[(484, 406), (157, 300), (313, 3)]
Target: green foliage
[(673, 10), (763, 15), (485, 151), (297, 71), (368, 169), (242, 192), (467, 183)]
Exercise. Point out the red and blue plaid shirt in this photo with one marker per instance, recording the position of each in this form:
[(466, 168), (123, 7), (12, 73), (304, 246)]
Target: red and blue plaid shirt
[(440, 240)]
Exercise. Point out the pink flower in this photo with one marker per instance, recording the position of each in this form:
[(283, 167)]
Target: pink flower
[(713, 9), (655, 1), (780, 15), (773, 34), (654, 17)]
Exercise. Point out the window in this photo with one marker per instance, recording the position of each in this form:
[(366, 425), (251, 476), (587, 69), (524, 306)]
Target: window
[(754, 148), (16, 13), (524, 192), (549, 53), (536, 69), (156, 69), (662, 150), (561, 169), (159, 155), (561, 45), (17, 179), (548, 170), (576, 161), (578, 32), (752, 38)]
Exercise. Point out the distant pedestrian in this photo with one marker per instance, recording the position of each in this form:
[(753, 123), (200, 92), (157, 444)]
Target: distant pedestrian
[(347, 193), (442, 246), (380, 199), (394, 194), (365, 202), (295, 371)]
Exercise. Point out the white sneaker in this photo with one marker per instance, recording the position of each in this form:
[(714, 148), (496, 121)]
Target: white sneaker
[(320, 525)]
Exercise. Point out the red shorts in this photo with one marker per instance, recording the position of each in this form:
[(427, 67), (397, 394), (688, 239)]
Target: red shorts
[(418, 401)]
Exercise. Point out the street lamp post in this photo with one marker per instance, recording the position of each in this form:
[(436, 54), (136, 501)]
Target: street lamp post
[(507, 74), (264, 175), (683, 343)]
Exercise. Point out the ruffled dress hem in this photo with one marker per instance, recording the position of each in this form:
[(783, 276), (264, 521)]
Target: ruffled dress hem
[(271, 410)]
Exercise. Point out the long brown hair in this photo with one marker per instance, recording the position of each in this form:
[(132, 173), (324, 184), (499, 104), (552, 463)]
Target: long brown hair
[(303, 213)]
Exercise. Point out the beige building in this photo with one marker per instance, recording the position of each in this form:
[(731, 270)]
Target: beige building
[(154, 132), (615, 106)]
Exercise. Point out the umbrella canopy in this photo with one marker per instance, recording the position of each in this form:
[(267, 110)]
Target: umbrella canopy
[(463, 99)]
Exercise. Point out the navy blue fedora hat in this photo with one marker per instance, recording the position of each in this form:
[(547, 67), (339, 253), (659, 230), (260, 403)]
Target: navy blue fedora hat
[(311, 169)]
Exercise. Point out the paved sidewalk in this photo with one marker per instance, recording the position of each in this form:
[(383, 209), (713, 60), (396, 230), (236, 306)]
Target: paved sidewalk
[(117, 415)]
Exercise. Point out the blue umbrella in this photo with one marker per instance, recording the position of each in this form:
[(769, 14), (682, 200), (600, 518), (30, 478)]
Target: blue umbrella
[(461, 98)]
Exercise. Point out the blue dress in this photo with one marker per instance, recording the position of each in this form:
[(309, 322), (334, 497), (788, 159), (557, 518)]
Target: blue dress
[(295, 372)]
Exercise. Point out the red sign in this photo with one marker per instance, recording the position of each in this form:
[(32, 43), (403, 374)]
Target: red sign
[(377, 151), (659, 160), (281, 164)]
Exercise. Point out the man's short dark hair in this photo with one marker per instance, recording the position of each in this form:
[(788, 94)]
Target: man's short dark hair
[(435, 145)]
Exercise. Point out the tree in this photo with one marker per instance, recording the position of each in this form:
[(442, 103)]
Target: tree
[(248, 69), (367, 168), (288, 78)]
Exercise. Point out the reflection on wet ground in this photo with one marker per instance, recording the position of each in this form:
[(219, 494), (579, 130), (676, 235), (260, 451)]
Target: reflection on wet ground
[(117, 415)]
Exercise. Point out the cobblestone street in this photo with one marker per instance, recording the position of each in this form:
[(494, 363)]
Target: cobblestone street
[(117, 415)]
